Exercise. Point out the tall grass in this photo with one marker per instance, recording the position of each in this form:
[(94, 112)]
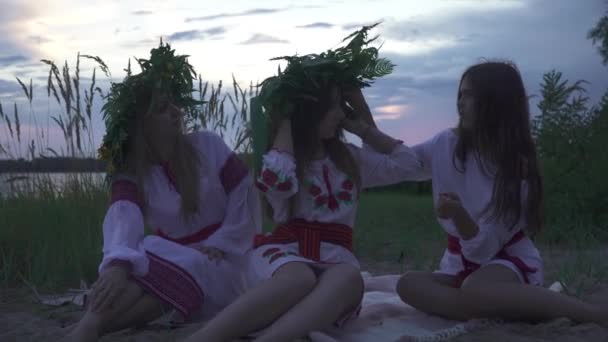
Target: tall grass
[(226, 112), (49, 240), (51, 233), (54, 242)]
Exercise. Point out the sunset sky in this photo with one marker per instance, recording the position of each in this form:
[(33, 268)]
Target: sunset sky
[(431, 42)]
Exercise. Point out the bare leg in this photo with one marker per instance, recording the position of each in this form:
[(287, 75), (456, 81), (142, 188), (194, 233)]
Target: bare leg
[(121, 315), (492, 291), (146, 309), (337, 293), (260, 306)]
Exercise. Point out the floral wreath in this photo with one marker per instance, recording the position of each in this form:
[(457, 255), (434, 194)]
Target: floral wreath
[(168, 75), (353, 65)]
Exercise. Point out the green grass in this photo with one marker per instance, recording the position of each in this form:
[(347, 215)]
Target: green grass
[(53, 241), (397, 227)]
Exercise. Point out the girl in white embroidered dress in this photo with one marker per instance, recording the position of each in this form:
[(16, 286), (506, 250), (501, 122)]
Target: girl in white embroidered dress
[(488, 195), (199, 198), (304, 275)]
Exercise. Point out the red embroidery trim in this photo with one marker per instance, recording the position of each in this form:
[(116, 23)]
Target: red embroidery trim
[(232, 173), (332, 203), (125, 190), (199, 236), (172, 284), (309, 236), (454, 247)]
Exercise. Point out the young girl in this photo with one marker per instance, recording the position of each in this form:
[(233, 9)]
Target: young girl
[(488, 198), (197, 196), (305, 273)]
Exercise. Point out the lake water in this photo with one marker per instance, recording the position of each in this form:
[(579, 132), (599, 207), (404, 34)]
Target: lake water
[(28, 182)]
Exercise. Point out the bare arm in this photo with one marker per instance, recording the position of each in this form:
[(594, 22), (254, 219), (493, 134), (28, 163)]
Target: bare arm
[(283, 141), (364, 126), (371, 135)]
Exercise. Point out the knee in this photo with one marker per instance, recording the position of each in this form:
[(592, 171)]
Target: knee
[(472, 284), (407, 285), (350, 277), (298, 276)]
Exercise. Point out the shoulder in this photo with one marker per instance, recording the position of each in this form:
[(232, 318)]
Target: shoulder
[(446, 135), (206, 139), (209, 144), (446, 138)]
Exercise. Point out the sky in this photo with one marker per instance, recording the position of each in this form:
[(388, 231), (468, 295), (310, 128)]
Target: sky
[(431, 42)]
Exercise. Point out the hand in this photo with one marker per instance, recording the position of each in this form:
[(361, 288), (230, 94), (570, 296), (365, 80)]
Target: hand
[(356, 100), (213, 253), (448, 206), (108, 287), (354, 96), (357, 126)]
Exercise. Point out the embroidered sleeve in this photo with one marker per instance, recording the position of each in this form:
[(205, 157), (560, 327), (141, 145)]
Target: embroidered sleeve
[(378, 169), (123, 230), (278, 182), (233, 172)]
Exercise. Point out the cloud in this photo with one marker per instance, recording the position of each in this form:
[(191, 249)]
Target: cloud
[(15, 47), (146, 41), (255, 11), (8, 87), (38, 39), (500, 33), (391, 109), (259, 38), (142, 12), (356, 26), (197, 34), (12, 59), (385, 117), (132, 29), (543, 35), (389, 112), (316, 25)]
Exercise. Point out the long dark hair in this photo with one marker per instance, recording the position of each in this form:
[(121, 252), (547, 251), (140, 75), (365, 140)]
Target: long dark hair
[(308, 112), (501, 141), (184, 162)]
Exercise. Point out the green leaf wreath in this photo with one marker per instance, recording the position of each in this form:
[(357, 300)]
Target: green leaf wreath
[(169, 75), (354, 65)]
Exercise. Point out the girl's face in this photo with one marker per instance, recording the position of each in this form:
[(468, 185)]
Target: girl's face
[(161, 129), (466, 104), (334, 116)]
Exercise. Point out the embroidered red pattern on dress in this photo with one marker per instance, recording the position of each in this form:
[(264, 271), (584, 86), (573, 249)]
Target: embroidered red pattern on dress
[(232, 173), (173, 285), (272, 180), (332, 202), (331, 199), (125, 190), (470, 267)]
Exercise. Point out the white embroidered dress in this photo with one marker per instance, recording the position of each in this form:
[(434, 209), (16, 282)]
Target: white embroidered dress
[(495, 243), (320, 229), (169, 264)]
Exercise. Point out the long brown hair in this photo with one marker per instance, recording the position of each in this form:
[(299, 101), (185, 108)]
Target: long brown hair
[(184, 161), (501, 141), (308, 112)]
